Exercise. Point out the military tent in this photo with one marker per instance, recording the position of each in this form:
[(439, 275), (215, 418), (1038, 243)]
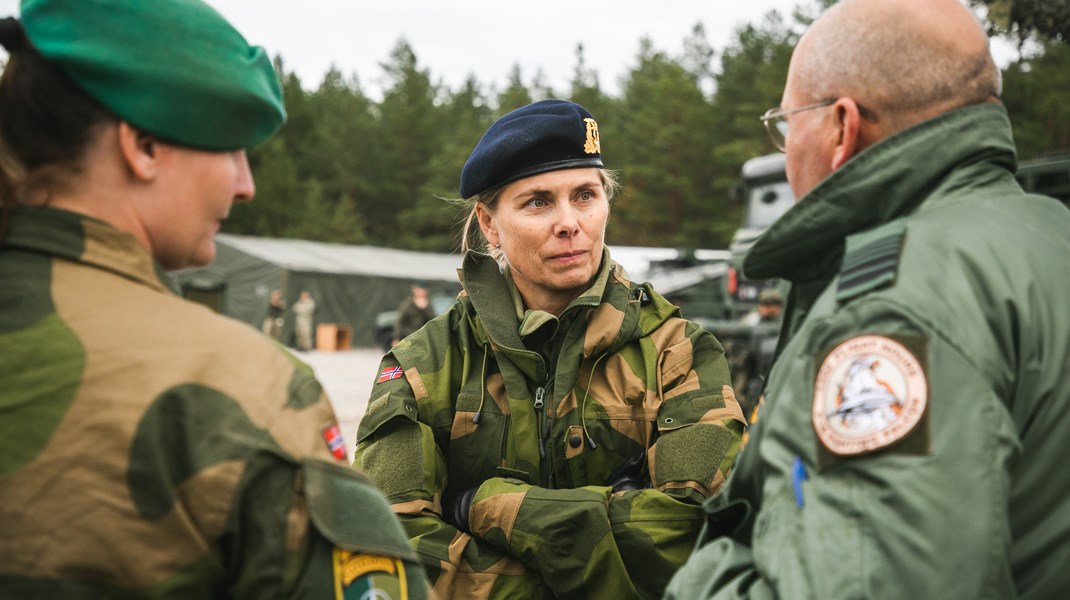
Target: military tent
[(350, 284)]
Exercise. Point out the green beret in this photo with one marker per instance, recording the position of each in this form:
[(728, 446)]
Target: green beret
[(173, 68)]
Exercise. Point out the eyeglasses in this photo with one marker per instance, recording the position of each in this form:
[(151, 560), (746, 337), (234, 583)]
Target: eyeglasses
[(776, 122)]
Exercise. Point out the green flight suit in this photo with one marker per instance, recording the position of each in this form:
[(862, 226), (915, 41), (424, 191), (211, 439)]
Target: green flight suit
[(537, 412), (927, 271), (150, 448)]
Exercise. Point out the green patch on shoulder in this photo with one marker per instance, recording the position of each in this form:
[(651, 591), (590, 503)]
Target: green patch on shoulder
[(394, 460), (336, 495), (692, 453), (28, 300), (43, 379), (305, 390)]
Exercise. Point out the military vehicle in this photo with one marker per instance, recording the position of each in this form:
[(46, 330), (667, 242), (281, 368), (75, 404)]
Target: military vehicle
[(765, 194), (1049, 176)]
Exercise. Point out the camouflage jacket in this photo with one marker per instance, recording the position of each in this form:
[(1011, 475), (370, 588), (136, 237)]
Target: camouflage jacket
[(150, 448), (912, 442), (464, 403)]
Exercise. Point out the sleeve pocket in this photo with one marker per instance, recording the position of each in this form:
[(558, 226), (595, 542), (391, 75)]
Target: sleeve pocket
[(347, 510)]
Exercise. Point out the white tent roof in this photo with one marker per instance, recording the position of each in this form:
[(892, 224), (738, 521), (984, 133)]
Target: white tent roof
[(321, 257)]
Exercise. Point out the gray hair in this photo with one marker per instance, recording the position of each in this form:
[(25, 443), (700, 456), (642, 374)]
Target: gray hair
[(893, 64)]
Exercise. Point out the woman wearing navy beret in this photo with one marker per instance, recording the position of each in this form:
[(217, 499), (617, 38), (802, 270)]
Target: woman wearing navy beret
[(554, 434)]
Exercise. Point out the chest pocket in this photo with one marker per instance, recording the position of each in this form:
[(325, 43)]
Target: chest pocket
[(478, 436), (615, 419)]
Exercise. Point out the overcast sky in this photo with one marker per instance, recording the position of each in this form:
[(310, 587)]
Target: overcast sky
[(452, 38)]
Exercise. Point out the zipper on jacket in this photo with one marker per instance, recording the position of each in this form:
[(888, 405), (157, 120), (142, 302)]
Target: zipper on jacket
[(540, 394)]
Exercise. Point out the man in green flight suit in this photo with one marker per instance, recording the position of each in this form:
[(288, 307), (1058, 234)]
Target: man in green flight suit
[(912, 439), (150, 448)]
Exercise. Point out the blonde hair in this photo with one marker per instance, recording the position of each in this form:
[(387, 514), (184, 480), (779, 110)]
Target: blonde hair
[(472, 237)]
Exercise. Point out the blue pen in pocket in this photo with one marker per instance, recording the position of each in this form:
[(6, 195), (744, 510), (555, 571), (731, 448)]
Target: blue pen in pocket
[(798, 476)]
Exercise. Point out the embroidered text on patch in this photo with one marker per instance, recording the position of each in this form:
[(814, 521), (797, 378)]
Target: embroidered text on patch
[(391, 373), (335, 443), (360, 576), (593, 145), (870, 392)]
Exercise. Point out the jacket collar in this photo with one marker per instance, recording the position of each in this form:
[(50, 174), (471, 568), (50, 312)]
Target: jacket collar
[(80, 238), (882, 183)]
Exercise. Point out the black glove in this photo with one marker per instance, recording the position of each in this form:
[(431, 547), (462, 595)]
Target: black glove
[(630, 475), (455, 507)]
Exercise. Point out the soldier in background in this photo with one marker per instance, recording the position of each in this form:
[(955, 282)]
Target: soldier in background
[(275, 317), (554, 434), (150, 448), (770, 307), (304, 311), (413, 313)]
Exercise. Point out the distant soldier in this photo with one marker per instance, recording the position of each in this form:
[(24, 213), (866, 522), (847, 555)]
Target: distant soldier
[(304, 310), (275, 317), (150, 448), (770, 307), (413, 312)]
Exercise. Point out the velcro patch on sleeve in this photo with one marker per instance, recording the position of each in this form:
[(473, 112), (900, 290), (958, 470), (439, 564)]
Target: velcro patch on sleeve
[(360, 576), (871, 392)]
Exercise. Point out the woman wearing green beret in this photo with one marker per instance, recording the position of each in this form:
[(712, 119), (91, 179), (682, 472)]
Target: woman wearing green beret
[(554, 434), (150, 448)]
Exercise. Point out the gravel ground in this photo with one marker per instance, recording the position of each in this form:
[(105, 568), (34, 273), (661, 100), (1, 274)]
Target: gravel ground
[(348, 377)]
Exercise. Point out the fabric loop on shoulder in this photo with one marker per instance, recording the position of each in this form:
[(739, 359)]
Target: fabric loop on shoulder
[(334, 494), (383, 409)]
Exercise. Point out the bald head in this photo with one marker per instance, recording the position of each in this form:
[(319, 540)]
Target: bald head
[(903, 60)]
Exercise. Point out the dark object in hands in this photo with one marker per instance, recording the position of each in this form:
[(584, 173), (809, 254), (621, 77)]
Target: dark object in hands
[(630, 475), (455, 507)]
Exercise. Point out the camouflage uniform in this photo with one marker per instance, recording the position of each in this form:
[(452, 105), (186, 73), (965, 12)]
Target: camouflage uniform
[(152, 449), (466, 403)]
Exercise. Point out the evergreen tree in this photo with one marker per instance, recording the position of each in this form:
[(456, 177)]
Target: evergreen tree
[(338, 157), (666, 139), (1034, 92), (276, 205), (435, 218), (585, 89), (409, 136), (515, 93)]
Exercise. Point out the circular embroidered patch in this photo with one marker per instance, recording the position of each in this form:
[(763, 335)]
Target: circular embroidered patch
[(870, 392)]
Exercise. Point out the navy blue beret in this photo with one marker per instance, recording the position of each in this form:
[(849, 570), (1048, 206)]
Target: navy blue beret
[(545, 136)]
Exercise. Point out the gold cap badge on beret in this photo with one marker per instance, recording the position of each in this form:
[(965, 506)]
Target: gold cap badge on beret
[(592, 145)]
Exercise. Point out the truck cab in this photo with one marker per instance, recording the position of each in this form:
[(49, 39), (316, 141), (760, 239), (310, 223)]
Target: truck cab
[(765, 194), (1049, 176)]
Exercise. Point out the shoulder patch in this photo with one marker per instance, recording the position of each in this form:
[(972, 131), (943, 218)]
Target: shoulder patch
[(871, 391), (332, 435), (871, 260), (390, 373), (360, 576)]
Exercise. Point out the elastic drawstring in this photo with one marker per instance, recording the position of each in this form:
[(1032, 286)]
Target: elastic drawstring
[(583, 403), (482, 387)]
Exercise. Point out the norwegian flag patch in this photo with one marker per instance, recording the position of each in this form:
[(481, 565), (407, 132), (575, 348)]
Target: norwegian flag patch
[(333, 436), (391, 373)]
